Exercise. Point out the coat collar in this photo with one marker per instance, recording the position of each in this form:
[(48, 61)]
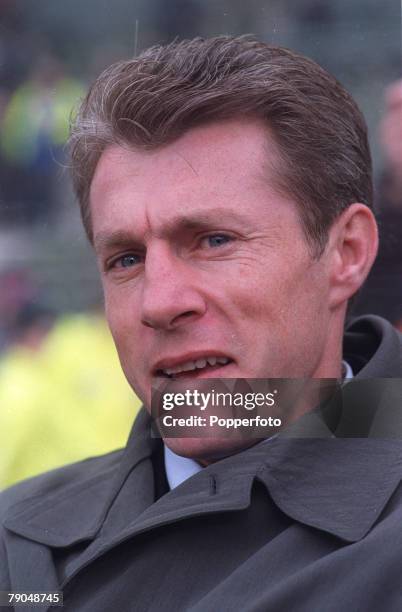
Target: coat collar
[(373, 348), (338, 485)]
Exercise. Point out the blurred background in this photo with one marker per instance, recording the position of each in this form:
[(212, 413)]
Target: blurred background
[(62, 395)]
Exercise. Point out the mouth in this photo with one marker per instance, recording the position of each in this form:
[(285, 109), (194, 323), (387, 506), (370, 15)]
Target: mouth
[(203, 366)]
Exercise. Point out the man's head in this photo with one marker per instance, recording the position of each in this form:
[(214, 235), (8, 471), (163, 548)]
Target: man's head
[(225, 185)]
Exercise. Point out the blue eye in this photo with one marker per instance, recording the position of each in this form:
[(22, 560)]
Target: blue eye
[(217, 240), (127, 261)]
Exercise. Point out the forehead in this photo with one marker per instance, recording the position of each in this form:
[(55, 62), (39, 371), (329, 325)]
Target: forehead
[(214, 165)]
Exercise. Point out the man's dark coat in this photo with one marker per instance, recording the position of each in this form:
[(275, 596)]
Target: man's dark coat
[(305, 522)]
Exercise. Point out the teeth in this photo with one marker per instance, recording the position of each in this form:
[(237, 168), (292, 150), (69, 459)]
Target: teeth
[(189, 365), (197, 364), (169, 371), (186, 367)]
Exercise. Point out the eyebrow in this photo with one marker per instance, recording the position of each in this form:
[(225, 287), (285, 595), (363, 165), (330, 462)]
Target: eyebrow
[(197, 220)]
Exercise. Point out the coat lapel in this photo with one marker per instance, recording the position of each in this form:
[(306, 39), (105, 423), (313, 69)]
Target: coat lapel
[(221, 488)]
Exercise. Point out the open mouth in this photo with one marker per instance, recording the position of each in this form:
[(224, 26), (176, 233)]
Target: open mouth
[(195, 368)]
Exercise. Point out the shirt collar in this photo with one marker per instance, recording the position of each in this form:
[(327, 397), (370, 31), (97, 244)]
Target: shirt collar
[(178, 469), (347, 370)]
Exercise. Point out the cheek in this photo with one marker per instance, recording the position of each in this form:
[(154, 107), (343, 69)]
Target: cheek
[(120, 307), (114, 315), (258, 298), (285, 304), (122, 321), (304, 314), (124, 329), (244, 288)]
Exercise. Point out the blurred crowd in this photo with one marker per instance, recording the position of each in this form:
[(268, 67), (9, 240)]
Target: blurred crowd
[(34, 126), (37, 94)]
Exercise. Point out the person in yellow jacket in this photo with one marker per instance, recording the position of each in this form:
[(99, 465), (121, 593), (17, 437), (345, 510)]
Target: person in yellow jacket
[(65, 401)]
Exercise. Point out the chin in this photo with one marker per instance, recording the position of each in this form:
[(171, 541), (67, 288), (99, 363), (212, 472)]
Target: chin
[(208, 450)]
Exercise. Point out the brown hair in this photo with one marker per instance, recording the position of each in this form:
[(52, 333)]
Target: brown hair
[(151, 100)]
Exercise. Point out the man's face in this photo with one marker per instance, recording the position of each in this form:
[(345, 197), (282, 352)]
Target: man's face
[(205, 266)]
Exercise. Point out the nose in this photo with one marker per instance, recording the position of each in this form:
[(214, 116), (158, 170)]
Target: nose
[(170, 298)]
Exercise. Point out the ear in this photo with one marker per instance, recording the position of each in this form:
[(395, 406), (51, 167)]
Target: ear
[(353, 245)]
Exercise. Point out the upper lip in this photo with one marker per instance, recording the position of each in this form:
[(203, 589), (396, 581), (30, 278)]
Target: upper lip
[(171, 362)]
